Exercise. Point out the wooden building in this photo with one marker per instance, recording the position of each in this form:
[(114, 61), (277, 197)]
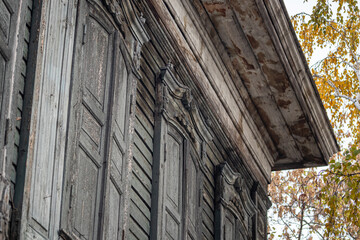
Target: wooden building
[(160, 119)]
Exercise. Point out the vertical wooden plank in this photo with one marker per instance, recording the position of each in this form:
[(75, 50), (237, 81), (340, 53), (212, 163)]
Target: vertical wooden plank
[(24, 66), (49, 92), (193, 198), (229, 227), (157, 176), (113, 230), (117, 172)]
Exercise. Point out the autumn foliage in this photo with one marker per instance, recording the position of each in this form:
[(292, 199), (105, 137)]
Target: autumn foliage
[(335, 26), (324, 203)]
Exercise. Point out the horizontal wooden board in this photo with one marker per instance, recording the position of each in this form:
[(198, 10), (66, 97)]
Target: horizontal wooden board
[(141, 190), (145, 136), (136, 232), (139, 217), (142, 162), (140, 174)]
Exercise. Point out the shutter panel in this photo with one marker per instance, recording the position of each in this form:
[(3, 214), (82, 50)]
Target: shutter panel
[(262, 203), (229, 226), (192, 191), (173, 183), (8, 12), (9, 15), (89, 121), (117, 173), (40, 163), (98, 171)]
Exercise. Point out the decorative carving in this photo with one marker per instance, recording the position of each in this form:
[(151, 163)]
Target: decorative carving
[(233, 198), (176, 101), (125, 15), (142, 19), (186, 99), (165, 99), (238, 205), (115, 9), (169, 65), (239, 182), (137, 55), (203, 150), (185, 123), (135, 22)]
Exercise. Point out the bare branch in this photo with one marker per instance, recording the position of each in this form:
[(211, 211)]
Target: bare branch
[(300, 14), (339, 95), (356, 103)]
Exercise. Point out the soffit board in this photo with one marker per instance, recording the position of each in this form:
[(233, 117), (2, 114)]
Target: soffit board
[(262, 47)]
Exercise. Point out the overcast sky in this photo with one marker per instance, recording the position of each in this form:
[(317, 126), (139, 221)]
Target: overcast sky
[(296, 6)]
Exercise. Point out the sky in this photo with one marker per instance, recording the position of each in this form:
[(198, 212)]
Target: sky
[(296, 6)]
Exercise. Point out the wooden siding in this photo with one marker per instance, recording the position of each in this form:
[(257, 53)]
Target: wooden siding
[(13, 75), (154, 56), (19, 87), (141, 181)]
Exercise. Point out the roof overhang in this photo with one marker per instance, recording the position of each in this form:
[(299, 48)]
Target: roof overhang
[(260, 46)]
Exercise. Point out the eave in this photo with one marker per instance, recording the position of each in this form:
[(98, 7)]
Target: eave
[(251, 80), (261, 46)]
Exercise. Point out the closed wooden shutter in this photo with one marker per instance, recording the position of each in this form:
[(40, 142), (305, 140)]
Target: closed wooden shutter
[(116, 172), (173, 184), (193, 197), (97, 139), (9, 12)]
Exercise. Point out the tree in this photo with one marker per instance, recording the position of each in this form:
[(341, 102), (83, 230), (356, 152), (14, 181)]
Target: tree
[(335, 25), (325, 203)]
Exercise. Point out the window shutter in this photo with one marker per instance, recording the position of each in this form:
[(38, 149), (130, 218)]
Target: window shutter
[(173, 183), (180, 135), (90, 133), (262, 203), (193, 196), (117, 172)]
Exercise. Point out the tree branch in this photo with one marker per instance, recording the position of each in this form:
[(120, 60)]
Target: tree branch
[(301, 222), (339, 95)]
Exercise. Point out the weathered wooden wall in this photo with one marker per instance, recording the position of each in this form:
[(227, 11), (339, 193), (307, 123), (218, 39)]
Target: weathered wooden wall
[(143, 145), (87, 152), (156, 54), (14, 43)]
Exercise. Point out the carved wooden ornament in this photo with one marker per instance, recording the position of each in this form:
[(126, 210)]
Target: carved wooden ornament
[(234, 207), (179, 151)]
